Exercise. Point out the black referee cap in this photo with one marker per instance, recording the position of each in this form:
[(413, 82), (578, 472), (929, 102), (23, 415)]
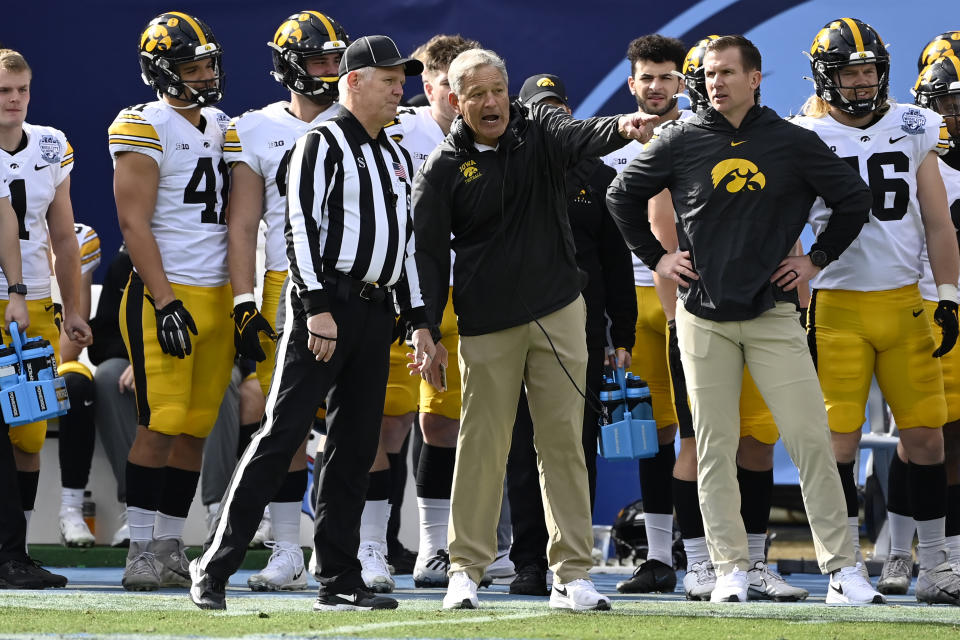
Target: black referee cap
[(377, 51)]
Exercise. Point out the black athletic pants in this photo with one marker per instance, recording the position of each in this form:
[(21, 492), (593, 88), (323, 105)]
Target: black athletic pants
[(354, 382), (523, 475), (13, 526)]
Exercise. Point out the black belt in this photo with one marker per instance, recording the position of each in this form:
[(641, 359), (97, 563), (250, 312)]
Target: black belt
[(344, 286)]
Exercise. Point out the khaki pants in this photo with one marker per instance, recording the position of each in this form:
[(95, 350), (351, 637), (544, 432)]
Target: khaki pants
[(774, 347), (493, 366)]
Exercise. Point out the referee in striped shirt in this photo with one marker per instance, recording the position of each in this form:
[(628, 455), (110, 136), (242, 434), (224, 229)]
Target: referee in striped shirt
[(350, 245)]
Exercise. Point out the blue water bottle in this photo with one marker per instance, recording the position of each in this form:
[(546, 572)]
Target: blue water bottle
[(638, 398)]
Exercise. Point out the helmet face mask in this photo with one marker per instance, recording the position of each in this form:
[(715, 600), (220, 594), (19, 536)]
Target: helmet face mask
[(845, 43), (169, 42), (302, 36), (938, 88)]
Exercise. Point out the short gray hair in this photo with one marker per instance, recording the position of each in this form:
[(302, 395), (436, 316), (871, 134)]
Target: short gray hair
[(469, 61), (365, 73)]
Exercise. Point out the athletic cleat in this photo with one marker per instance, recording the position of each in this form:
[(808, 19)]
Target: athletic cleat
[(699, 581), (896, 575), (401, 560), (373, 568), (73, 529), (939, 585), (461, 592), (531, 580), (432, 571), (121, 537), (284, 570), (140, 573), (848, 586), (731, 587), (578, 595), (206, 591), (501, 567), (26, 573), (650, 577), (763, 583), (356, 600), (264, 531), (172, 564)]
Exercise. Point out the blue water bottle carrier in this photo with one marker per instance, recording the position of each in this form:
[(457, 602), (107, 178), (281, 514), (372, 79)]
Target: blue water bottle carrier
[(30, 388), (632, 434)]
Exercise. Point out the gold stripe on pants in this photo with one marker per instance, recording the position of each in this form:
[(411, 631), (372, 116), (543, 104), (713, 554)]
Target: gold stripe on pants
[(774, 347), (493, 366)]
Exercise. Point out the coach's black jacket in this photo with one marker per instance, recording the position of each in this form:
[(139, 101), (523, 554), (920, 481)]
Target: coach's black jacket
[(742, 197), (507, 212)]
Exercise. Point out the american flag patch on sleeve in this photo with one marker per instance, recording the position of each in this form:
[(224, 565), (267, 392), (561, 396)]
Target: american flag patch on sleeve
[(399, 171)]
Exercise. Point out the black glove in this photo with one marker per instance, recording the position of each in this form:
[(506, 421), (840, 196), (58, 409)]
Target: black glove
[(946, 318), (173, 324), (248, 323)]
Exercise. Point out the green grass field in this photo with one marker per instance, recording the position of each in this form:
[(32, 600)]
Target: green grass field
[(121, 615)]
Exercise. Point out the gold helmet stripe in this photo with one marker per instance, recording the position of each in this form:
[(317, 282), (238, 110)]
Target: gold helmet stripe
[(192, 23), (855, 30), (331, 33)]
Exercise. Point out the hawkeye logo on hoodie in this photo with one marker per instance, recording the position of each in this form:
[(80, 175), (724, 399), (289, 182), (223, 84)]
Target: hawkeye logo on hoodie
[(470, 171), (736, 174)]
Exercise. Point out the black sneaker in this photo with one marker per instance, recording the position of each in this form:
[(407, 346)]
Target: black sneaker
[(28, 574), (531, 580), (402, 560), (356, 600), (206, 591), (651, 577)]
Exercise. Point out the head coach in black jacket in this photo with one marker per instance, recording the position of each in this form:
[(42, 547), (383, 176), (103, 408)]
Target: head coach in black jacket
[(496, 184), (742, 182)]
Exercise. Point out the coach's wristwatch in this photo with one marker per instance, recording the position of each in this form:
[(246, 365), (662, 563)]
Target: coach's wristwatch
[(17, 288), (819, 258)]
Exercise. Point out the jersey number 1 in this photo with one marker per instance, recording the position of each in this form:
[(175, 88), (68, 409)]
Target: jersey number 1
[(208, 197), (18, 199)]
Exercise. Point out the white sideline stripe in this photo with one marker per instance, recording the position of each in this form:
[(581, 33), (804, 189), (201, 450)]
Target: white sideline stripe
[(261, 434), (361, 628)]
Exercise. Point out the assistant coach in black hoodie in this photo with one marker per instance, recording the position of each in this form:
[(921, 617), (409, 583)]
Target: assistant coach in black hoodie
[(742, 182), (497, 184)]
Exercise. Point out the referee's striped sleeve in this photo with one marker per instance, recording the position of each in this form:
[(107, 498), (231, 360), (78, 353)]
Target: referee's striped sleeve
[(306, 189)]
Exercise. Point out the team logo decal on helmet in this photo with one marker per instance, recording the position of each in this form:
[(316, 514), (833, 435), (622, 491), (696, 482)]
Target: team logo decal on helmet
[(947, 43), (301, 36), (938, 88), (843, 43), (693, 75), (172, 39)]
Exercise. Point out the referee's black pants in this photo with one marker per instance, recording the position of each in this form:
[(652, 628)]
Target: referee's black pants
[(354, 382), (523, 476), (13, 526)]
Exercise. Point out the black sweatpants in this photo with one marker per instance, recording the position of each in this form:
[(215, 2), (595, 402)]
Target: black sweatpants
[(523, 475), (13, 526), (354, 383)]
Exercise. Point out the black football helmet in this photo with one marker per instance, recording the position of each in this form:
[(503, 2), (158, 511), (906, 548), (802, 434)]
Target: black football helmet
[(842, 43), (693, 76), (172, 39), (302, 35), (938, 88), (947, 43)]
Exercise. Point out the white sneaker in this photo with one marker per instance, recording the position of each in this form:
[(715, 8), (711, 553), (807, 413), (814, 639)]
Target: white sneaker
[(699, 581), (939, 585), (284, 570), (766, 584), (501, 567), (121, 537), (896, 575), (848, 586), (731, 587), (461, 592), (431, 571), (73, 530), (578, 595), (264, 531), (374, 569)]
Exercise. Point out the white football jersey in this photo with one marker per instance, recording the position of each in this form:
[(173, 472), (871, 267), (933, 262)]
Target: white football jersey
[(951, 180), (262, 139), (416, 131), (886, 254), (188, 220), (619, 159), (33, 174), (89, 243)]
